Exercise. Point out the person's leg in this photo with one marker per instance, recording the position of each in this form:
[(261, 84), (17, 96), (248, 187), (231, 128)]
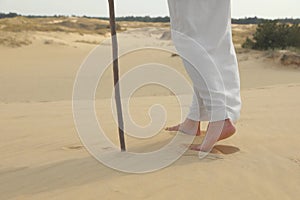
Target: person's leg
[(201, 32), (196, 113)]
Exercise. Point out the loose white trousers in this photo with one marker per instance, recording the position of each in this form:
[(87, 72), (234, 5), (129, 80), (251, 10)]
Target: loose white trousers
[(201, 32)]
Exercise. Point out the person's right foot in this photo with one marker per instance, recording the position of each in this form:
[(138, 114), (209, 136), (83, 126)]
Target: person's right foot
[(189, 127), (227, 129)]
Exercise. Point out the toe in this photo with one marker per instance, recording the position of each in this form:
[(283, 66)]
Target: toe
[(172, 128)]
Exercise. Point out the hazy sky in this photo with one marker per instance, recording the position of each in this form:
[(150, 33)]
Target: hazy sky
[(240, 8)]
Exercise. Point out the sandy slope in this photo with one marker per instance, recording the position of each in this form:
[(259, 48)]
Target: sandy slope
[(43, 158)]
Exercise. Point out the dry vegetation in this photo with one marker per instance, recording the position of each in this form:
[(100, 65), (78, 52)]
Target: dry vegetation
[(125, 24), (14, 31), (12, 40), (241, 32), (64, 24)]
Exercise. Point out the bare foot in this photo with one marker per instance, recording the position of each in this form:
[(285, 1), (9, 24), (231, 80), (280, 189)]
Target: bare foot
[(213, 134), (228, 130), (189, 127)]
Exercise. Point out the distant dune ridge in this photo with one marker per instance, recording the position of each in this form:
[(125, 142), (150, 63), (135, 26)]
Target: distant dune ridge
[(22, 31)]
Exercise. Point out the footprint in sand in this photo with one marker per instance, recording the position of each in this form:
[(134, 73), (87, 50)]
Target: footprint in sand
[(79, 147), (19, 117), (218, 152), (296, 161), (73, 147)]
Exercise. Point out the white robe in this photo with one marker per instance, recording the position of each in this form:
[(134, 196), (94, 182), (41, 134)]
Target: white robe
[(201, 32)]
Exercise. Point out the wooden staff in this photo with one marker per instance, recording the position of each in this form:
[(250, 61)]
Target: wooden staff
[(112, 21)]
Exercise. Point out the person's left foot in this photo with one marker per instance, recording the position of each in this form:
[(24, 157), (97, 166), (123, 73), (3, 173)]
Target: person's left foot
[(213, 135), (189, 127)]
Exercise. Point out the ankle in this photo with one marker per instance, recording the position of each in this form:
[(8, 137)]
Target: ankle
[(225, 123)]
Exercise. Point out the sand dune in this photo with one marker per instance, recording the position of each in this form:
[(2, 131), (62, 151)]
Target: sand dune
[(43, 158)]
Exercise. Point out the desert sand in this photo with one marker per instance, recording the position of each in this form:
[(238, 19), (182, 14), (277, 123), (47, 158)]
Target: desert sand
[(42, 156)]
